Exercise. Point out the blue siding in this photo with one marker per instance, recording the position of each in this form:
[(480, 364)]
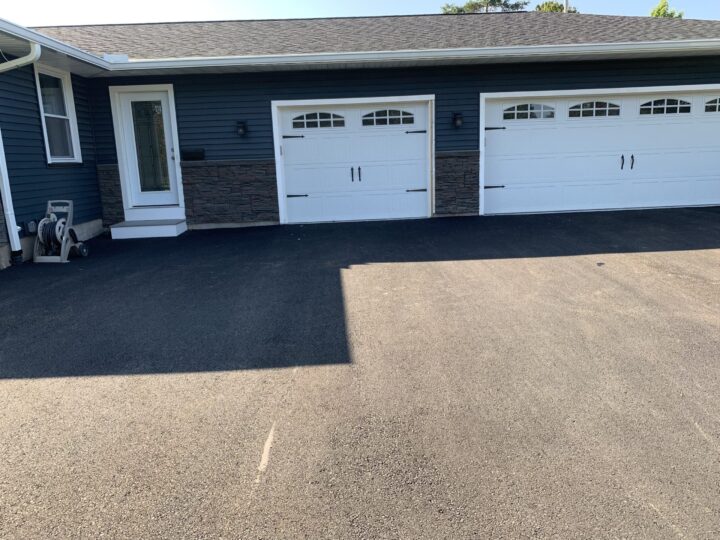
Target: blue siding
[(208, 106), (33, 181)]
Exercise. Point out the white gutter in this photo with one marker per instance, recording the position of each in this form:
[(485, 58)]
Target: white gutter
[(487, 53), (7, 203), (32, 56)]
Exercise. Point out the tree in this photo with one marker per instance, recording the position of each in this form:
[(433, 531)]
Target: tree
[(663, 10), (554, 7), (485, 6)]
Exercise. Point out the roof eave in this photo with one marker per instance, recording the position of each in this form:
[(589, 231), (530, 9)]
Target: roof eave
[(51, 43), (379, 58)]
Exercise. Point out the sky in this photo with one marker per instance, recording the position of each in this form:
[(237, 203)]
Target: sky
[(56, 12)]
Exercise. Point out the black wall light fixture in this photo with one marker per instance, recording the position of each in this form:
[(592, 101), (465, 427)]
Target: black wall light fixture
[(457, 119), (242, 128)]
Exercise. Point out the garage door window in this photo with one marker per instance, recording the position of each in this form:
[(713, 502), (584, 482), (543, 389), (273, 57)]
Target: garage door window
[(594, 108), (388, 117), (528, 111), (318, 120), (713, 105), (665, 106)]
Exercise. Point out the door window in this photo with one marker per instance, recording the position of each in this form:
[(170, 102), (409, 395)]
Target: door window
[(594, 108), (665, 106), (318, 120), (713, 105), (150, 146), (388, 117), (529, 111)]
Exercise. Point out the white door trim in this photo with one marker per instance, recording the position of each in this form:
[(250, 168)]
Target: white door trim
[(630, 90), (276, 105), (175, 211)]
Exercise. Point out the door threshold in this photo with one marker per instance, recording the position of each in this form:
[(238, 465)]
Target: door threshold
[(140, 207), (148, 228)]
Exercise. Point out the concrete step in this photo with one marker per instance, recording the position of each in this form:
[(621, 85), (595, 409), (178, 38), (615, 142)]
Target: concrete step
[(156, 228)]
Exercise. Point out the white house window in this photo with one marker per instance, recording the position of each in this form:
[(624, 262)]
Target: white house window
[(594, 108), (318, 120), (57, 111), (713, 105), (528, 111), (388, 117), (665, 106)]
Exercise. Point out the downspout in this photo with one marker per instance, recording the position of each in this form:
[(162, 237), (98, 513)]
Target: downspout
[(15, 246)]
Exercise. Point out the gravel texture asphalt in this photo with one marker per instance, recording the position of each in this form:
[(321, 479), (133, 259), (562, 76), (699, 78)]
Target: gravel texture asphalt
[(521, 376)]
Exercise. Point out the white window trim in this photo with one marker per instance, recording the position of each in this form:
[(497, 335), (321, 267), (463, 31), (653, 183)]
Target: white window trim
[(69, 97)]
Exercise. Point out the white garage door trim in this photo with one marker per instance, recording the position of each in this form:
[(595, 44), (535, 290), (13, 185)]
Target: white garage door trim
[(592, 92), (278, 105)]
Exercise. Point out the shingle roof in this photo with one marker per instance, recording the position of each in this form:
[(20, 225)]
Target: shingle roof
[(369, 34)]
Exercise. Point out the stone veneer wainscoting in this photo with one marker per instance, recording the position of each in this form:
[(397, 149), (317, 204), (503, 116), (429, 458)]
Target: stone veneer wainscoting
[(245, 191), (457, 183), (230, 192), (216, 192), (110, 194)]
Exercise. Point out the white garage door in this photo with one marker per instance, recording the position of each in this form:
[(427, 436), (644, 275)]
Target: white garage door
[(602, 152), (355, 162)]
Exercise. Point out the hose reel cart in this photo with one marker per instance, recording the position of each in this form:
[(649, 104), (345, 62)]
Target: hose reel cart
[(56, 236)]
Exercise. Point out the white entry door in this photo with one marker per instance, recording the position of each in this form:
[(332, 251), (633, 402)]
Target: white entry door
[(146, 141), (602, 152), (355, 162)]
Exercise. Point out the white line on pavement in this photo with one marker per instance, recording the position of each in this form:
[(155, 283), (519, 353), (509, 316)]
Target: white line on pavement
[(264, 460)]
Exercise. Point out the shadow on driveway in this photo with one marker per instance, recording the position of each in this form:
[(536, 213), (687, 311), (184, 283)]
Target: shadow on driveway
[(270, 297)]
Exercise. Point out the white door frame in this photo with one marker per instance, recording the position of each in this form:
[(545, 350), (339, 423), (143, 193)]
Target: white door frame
[(277, 105), (174, 211), (594, 92)]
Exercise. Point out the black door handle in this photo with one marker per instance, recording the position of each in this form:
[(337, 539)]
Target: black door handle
[(352, 174), (622, 162), (359, 174), (632, 162)]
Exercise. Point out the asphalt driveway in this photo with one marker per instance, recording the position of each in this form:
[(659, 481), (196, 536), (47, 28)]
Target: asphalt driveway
[(528, 376)]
